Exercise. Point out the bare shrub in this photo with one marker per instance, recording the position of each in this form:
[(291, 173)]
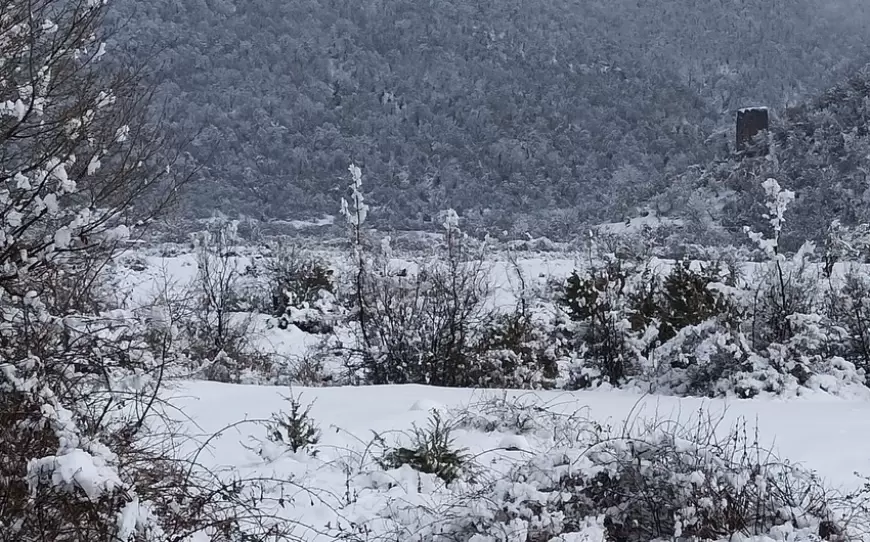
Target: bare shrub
[(526, 415), (434, 326), (216, 287), (422, 328), (309, 369), (219, 332)]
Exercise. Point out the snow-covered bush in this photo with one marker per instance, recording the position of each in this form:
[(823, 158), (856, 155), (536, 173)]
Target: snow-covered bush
[(302, 289), (71, 140), (561, 476), (525, 416), (315, 318), (702, 360), (519, 351), (785, 287), (320, 365), (692, 328), (670, 481), (792, 339), (688, 298), (597, 302), (849, 310), (81, 283), (794, 324), (296, 278), (622, 310), (434, 325), (60, 468), (847, 293), (523, 343)]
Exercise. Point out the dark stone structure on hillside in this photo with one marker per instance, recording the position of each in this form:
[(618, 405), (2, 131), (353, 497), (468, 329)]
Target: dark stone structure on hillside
[(750, 122)]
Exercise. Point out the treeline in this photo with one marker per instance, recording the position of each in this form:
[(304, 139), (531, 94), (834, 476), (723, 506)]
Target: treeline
[(520, 116)]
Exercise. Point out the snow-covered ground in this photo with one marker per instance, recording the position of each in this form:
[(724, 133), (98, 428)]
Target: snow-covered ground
[(155, 271), (340, 485), (828, 435)]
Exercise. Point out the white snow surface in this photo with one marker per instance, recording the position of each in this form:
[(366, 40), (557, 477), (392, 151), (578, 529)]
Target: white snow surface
[(76, 469), (822, 434), (341, 485), (180, 269)]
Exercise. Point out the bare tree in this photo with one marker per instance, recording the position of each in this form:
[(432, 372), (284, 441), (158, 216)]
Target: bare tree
[(81, 161), (80, 165)]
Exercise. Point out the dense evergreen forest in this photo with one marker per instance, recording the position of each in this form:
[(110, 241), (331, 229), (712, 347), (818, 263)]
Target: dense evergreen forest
[(526, 116), (819, 149)]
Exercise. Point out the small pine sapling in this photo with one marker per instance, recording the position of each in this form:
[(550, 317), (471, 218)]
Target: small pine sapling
[(294, 429), (431, 451)]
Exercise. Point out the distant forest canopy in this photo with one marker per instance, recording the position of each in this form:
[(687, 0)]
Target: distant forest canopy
[(531, 116), (820, 150)]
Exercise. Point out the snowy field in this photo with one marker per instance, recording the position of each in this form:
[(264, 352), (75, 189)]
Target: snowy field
[(824, 434), (147, 276), (341, 486), (337, 489), (156, 271)]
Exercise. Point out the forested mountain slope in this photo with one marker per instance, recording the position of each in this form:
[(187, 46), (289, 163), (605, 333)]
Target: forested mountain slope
[(819, 149), (502, 110)]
